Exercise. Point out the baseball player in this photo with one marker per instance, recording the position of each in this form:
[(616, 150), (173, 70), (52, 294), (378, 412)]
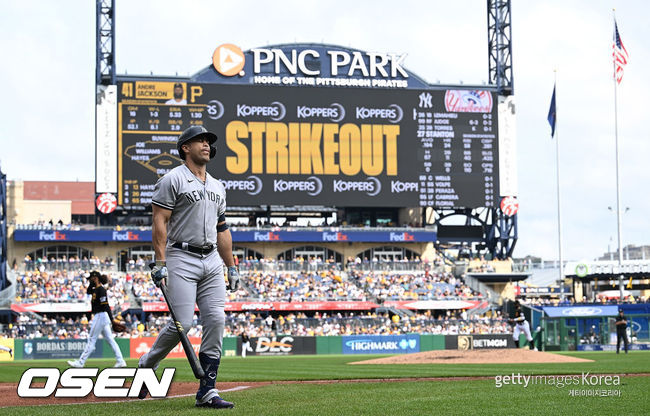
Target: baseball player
[(192, 242), (245, 344), (101, 323), (521, 325)]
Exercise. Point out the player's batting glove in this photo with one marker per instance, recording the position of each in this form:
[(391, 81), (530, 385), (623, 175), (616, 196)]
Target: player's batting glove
[(233, 278), (158, 272)]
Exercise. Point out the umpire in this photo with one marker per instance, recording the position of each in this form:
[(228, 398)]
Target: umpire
[(621, 331)]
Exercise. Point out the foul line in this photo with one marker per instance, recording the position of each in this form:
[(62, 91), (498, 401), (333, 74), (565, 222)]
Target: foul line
[(134, 400)]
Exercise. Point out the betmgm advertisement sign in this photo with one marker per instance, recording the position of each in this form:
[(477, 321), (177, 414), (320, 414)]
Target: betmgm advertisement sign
[(312, 125)]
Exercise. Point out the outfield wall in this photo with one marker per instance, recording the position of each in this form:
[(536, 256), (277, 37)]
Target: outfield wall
[(43, 348)]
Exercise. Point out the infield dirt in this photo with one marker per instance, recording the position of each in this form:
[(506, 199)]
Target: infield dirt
[(487, 356)]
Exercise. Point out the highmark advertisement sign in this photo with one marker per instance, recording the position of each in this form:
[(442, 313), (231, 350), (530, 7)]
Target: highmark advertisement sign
[(381, 344)]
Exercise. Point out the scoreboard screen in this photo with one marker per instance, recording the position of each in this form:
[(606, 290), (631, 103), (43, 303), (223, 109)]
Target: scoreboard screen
[(315, 146)]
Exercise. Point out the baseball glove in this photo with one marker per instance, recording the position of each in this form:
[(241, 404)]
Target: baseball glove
[(118, 326)]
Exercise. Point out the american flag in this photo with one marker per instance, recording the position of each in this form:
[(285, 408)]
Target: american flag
[(620, 55)]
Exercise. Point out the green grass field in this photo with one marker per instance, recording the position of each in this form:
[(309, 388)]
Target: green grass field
[(385, 398)]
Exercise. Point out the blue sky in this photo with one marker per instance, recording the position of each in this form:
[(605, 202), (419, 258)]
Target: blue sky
[(48, 48)]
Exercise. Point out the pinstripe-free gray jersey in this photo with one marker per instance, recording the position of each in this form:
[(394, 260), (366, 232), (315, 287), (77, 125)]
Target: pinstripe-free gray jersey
[(195, 206)]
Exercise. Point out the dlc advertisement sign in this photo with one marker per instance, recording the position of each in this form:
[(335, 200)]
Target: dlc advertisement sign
[(279, 345)]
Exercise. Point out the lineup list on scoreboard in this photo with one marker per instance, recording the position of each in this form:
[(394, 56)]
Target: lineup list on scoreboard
[(282, 146)]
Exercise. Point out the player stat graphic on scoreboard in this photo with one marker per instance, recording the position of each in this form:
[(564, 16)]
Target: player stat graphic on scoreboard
[(316, 146)]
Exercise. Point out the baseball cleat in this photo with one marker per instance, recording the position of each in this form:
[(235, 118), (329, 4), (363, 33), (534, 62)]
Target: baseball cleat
[(212, 400), (75, 363), (143, 392), (120, 364)]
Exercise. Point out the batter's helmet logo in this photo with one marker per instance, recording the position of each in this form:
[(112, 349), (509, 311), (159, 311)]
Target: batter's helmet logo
[(228, 60)]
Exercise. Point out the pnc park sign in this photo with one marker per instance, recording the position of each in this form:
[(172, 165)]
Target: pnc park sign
[(311, 66)]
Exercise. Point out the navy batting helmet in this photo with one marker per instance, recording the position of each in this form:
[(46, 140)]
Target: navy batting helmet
[(195, 132)]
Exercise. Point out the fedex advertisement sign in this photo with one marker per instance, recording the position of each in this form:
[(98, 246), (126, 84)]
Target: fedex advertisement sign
[(267, 236), (402, 237), (125, 236), (334, 237), (51, 236)]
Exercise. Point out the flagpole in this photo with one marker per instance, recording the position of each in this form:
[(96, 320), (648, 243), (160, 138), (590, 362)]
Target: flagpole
[(559, 220), (618, 182)]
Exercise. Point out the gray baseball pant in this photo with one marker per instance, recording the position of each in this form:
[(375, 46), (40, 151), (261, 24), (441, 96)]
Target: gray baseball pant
[(192, 278)]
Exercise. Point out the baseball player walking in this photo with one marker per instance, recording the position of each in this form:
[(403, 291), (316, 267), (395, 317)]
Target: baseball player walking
[(521, 325), (191, 238), (101, 323)]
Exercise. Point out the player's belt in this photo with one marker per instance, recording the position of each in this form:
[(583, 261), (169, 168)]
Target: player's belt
[(195, 249)]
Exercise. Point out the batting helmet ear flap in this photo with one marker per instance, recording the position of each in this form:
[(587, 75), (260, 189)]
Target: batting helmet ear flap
[(213, 151)]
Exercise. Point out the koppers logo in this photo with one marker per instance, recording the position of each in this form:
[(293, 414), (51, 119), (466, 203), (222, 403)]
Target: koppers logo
[(401, 237), (397, 187), (312, 186), (393, 113), (251, 185), (52, 236), (228, 60), (335, 112), (275, 111), (371, 186), (464, 101), (78, 382)]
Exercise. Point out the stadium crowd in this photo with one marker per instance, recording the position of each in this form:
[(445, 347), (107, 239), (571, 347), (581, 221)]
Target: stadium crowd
[(257, 324), (288, 286), (412, 285)]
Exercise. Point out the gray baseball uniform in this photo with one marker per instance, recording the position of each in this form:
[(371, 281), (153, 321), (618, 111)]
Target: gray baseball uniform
[(196, 207)]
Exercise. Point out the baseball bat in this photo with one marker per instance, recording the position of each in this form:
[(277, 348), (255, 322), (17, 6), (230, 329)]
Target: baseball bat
[(187, 345)]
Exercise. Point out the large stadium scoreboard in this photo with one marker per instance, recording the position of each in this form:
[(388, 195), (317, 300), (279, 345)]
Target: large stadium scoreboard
[(315, 146)]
